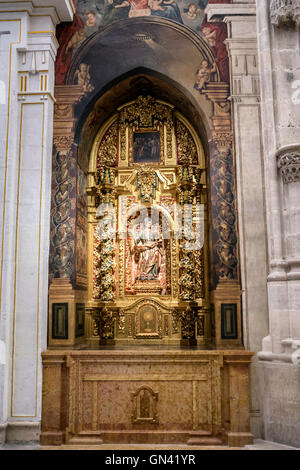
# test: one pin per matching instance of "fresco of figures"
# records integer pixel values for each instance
(93, 16)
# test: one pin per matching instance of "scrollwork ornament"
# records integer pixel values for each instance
(199, 274)
(95, 327)
(201, 325)
(175, 321)
(107, 152)
(146, 182)
(188, 323)
(186, 148)
(121, 322)
(106, 322)
(289, 167)
(146, 110)
(187, 276)
(104, 265)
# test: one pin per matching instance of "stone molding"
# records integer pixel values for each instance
(289, 166)
(285, 12)
(57, 10)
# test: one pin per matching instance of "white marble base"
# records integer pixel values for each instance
(20, 432)
(280, 401)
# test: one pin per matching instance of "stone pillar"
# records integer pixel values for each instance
(278, 48)
(62, 293)
(245, 101)
(27, 49)
(227, 293)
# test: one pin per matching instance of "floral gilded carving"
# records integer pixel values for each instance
(107, 151)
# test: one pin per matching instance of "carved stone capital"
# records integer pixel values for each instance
(285, 12)
(289, 166)
(63, 142)
(223, 140)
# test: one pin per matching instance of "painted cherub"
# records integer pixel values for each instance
(203, 74)
(193, 11)
(76, 40)
(83, 77)
(210, 36)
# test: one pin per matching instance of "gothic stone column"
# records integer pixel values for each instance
(278, 48)
(245, 100)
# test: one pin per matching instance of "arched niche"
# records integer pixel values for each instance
(128, 88)
(151, 46)
(161, 63)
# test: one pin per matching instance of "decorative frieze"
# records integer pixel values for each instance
(289, 166)
(285, 12)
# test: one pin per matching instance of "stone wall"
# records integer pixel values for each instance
(278, 49)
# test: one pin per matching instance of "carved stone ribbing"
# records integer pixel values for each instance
(285, 12)
(289, 166)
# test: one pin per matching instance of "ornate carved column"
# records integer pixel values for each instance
(285, 12)
(278, 51)
(194, 320)
(226, 280)
(63, 185)
(190, 191)
(62, 296)
(104, 246)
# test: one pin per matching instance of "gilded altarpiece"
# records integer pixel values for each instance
(148, 276)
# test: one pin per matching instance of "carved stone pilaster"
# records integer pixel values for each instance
(223, 189)
(285, 12)
(63, 215)
(289, 166)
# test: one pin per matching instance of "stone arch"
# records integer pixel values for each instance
(121, 28)
(143, 81)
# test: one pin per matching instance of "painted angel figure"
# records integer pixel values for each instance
(204, 73)
(83, 77)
